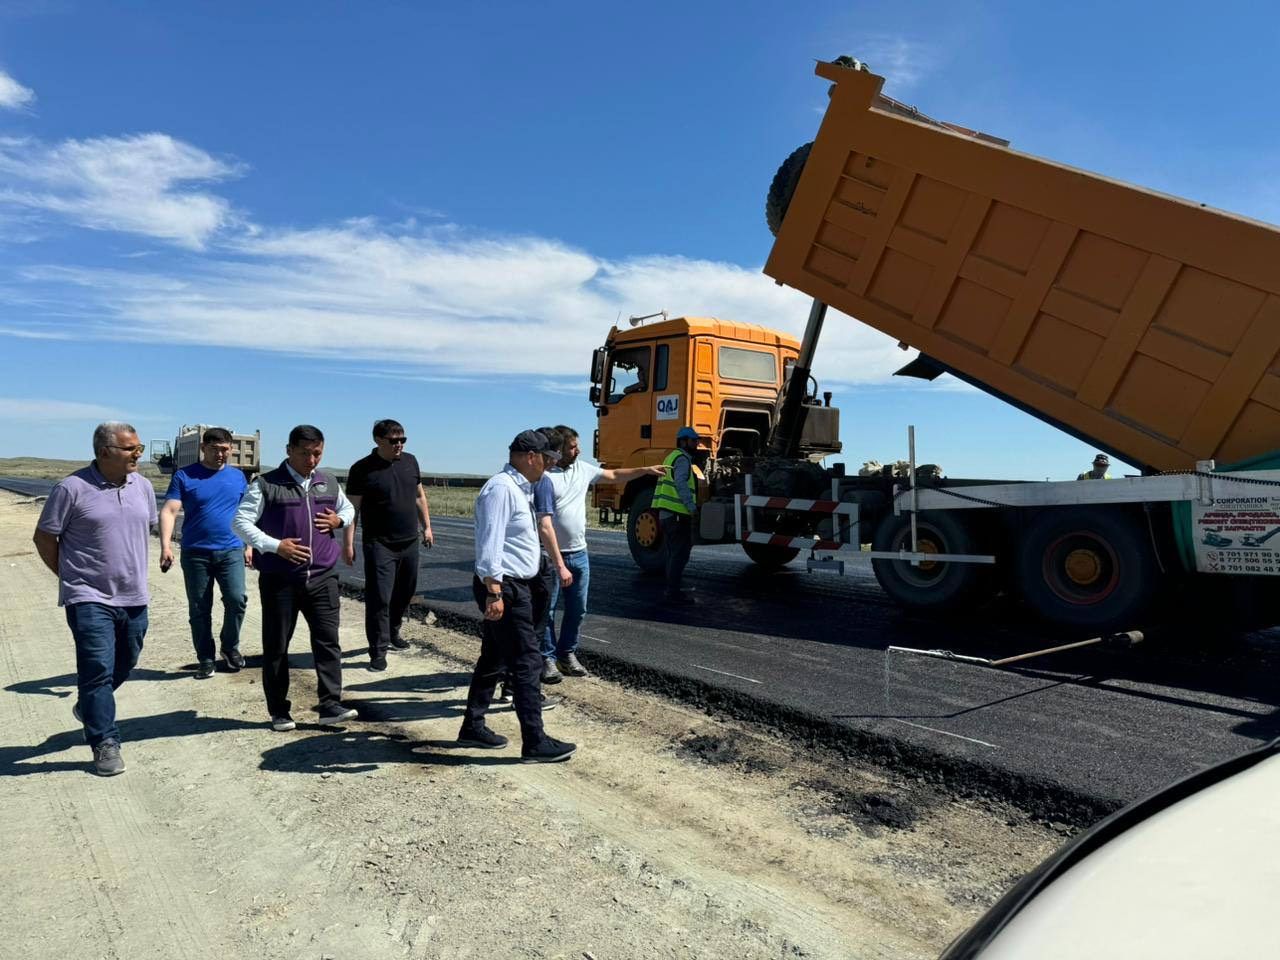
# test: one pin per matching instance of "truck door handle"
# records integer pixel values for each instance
(646, 431)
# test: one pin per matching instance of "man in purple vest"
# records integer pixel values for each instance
(288, 515)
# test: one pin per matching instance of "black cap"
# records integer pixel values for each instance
(531, 441)
(1102, 458)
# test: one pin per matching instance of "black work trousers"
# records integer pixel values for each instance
(390, 581)
(677, 534)
(317, 599)
(548, 575)
(509, 645)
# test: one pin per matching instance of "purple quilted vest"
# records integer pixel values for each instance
(289, 511)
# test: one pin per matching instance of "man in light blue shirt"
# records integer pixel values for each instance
(511, 596)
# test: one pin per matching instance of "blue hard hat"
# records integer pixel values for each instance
(686, 433)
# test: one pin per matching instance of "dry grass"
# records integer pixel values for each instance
(39, 468)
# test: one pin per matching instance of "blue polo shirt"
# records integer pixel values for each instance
(209, 500)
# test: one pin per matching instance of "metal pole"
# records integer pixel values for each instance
(751, 511)
(915, 493)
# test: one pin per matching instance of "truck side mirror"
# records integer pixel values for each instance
(599, 357)
(595, 394)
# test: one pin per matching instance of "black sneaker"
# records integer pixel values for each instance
(481, 736)
(400, 643)
(107, 761)
(550, 750)
(283, 723)
(234, 659)
(205, 670)
(551, 702)
(336, 713)
(377, 664)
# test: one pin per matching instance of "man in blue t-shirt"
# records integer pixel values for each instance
(208, 493)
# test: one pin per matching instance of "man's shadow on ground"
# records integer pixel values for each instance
(15, 760)
(363, 751)
(46, 687)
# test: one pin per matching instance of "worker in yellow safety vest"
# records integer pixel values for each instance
(1099, 469)
(675, 499)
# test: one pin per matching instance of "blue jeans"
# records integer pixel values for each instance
(575, 607)
(108, 643)
(201, 569)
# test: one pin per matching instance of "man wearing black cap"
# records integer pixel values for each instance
(1099, 469)
(507, 589)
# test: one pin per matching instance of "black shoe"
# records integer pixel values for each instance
(377, 664)
(336, 713)
(205, 670)
(400, 643)
(551, 702)
(550, 672)
(283, 723)
(481, 736)
(234, 659)
(550, 750)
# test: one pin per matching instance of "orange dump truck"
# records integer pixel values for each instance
(1146, 325)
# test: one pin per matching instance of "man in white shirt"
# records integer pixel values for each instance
(511, 595)
(570, 483)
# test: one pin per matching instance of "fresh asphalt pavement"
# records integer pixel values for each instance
(1110, 726)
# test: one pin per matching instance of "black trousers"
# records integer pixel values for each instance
(547, 576)
(677, 534)
(510, 645)
(317, 599)
(390, 581)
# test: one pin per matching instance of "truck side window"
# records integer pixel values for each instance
(629, 373)
(662, 359)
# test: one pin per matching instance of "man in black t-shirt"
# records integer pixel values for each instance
(386, 489)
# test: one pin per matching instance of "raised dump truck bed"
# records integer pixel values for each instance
(1146, 324)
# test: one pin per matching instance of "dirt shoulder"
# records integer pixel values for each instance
(670, 834)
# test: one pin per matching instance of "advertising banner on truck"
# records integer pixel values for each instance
(1238, 535)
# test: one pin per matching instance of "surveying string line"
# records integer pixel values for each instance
(722, 673)
(945, 733)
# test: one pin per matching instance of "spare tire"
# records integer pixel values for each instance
(783, 187)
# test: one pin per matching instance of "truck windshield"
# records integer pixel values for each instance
(754, 365)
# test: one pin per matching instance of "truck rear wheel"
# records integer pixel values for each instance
(783, 187)
(644, 534)
(932, 585)
(1088, 567)
(770, 557)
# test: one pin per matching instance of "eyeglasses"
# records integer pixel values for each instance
(399, 441)
(139, 449)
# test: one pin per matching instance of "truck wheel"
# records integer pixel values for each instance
(783, 187)
(931, 585)
(770, 557)
(1087, 567)
(644, 534)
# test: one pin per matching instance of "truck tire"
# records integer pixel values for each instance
(931, 586)
(769, 557)
(783, 187)
(644, 534)
(1088, 567)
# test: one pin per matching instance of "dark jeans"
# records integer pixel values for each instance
(510, 645)
(201, 569)
(283, 598)
(390, 581)
(677, 534)
(108, 643)
(550, 580)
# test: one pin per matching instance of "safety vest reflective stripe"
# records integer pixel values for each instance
(665, 495)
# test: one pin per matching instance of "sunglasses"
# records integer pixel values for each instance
(138, 449)
(399, 441)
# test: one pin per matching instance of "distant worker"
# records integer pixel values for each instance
(386, 490)
(1099, 469)
(675, 499)
(571, 482)
(288, 515)
(510, 594)
(208, 492)
(93, 533)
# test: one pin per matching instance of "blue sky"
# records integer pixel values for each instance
(269, 214)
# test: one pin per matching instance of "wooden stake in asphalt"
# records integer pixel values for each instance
(1127, 638)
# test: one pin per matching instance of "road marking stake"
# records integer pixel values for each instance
(723, 674)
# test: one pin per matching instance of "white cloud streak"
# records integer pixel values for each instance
(13, 95)
(37, 410)
(904, 63)
(139, 184)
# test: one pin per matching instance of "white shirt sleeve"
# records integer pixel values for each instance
(345, 509)
(493, 513)
(245, 523)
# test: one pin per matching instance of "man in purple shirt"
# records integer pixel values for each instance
(93, 533)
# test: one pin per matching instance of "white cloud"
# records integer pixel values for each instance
(13, 95)
(139, 184)
(903, 62)
(36, 410)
